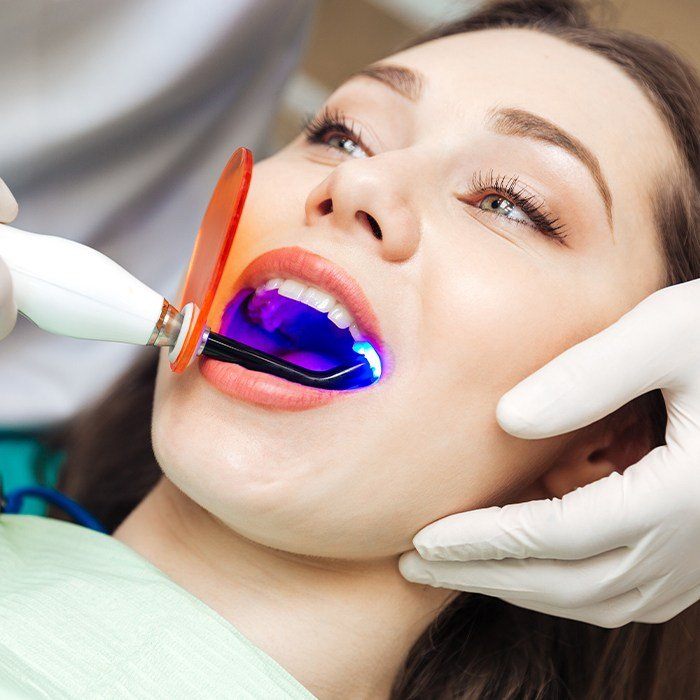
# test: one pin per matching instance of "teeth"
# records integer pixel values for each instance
(274, 283)
(292, 289)
(340, 316)
(316, 299)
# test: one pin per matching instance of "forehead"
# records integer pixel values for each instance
(467, 75)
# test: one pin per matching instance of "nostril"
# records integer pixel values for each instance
(364, 217)
(376, 231)
(325, 207)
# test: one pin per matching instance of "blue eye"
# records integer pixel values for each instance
(345, 144)
(336, 131)
(505, 196)
(498, 204)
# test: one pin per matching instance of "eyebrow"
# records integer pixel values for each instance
(509, 121)
(408, 83)
(519, 122)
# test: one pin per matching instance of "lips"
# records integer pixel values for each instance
(320, 272)
(295, 263)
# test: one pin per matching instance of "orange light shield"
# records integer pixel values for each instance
(212, 247)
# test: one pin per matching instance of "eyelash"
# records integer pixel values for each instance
(329, 121)
(510, 189)
(317, 129)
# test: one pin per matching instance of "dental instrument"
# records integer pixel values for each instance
(70, 289)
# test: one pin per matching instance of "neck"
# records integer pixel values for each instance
(342, 629)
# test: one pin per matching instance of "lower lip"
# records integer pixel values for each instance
(262, 389)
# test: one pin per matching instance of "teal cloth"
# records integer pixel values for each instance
(83, 616)
(24, 461)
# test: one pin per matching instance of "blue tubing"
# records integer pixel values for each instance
(15, 498)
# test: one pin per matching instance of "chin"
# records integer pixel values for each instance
(304, 503)
(229, 458)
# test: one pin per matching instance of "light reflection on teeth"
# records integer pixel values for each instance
(340, 316)
(291, 289)
(316, 299)
(274, 283)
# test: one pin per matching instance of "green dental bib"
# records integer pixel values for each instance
(83, 616)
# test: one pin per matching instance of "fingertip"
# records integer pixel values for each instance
(8, 309)
(412, 567)
(469, 536)
(422, 543)
(8, 204)
(512, 415)
(442, 540)
(429, 550)
(535, 409)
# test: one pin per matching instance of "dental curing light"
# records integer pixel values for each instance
(70, 289)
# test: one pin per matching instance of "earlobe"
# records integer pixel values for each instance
(610, 445)
(576, 468)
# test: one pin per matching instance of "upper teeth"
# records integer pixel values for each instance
(316, 299)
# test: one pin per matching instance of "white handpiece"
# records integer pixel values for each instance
(70, 289)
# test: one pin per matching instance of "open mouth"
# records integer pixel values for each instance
(300, 324)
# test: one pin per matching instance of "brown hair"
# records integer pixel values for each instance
(480, 647)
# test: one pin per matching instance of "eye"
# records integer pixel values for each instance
(504, 196)
(498, 204)
(345, 144)
(334, 130)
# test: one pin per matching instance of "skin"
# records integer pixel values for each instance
(290, 523)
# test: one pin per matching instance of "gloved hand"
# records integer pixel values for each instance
(8, 310)
(624, 548)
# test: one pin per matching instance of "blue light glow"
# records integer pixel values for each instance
(302, 336)
(364, 348)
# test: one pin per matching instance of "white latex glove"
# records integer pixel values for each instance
(624, 548)
(8, 310)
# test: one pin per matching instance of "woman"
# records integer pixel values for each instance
(498, 193)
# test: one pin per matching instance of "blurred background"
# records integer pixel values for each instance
(347, 34)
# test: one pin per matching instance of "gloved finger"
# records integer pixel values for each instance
(670, 608)
(8, 309)
(635, 605)
(610, 613)
(559, 584)
(8, 205)
(594, 378)
(585, 522)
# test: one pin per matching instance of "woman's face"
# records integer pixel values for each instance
(510, 175)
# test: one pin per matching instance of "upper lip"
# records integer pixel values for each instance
(295, 262)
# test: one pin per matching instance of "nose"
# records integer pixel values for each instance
(367, 196)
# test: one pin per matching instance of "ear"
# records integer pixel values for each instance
(610, 445)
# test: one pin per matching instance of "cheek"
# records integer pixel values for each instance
(505, 318)
(445, 452)
(486, 327)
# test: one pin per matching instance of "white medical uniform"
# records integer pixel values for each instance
(116, 118)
